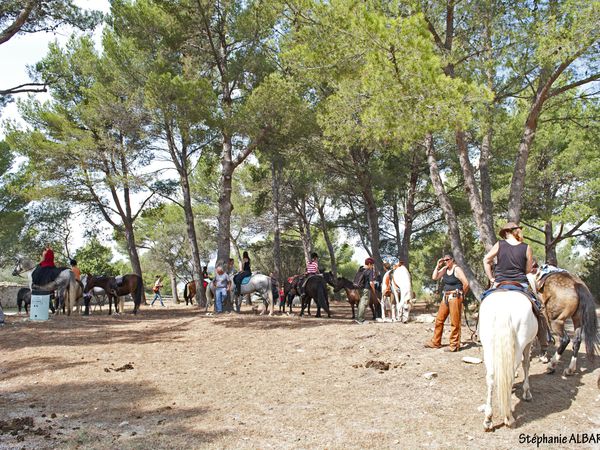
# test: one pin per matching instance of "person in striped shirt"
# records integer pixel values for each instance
(312, 268)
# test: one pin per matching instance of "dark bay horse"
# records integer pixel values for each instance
(565, 296)
(116, 287)
(24, 299)
(316, 289)
(352, 293)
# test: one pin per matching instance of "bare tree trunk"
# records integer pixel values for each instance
(173, 277)
(487, 235)
(275, 177)
(225, 205)
(450, 216)
(409, 210)
(323, 219)
(192, 240)
(373, 220)
(550, 244)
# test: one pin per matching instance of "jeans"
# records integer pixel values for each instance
(220, 296)
(159, 297)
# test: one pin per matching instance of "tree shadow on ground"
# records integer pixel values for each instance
(34, 365)
(78, 333)
(551, 392)
(106, 415)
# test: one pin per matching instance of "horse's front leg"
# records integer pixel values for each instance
(526, 362)
(576, 344)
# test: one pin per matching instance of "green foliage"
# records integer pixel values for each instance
(94, 258)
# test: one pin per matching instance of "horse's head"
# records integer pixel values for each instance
(329, 279)
(22, 265)
(88, 283)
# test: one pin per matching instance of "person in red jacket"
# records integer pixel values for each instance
(48, 257)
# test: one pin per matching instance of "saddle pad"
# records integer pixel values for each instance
(246, 280)
(509, 287)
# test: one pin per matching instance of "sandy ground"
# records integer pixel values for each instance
(176, 378)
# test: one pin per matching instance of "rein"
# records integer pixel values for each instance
(474, 336)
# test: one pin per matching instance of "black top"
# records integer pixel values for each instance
(512, 262)
(246, 266)
(368, 277)
(451, 282)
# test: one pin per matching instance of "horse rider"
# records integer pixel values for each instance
(514, 260)
(45, 272)
(246, 271)
(455, 288)
(312, 268)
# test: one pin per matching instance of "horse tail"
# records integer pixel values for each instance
(322, 297)
(503, 348)
(137, 297)
(587, 304)
(185, 291)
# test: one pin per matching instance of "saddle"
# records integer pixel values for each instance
(246, 280)
(119, 281)
(514, 286)
(42, 276)
(543, 273)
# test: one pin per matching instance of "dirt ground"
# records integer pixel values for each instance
(176, 378)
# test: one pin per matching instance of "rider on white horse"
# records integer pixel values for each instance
(514, 260)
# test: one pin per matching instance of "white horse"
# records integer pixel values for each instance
(398, 291)
(65, 283)
(261, 284)
(507, 327)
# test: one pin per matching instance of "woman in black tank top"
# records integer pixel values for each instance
(456, 286)
(514, 258)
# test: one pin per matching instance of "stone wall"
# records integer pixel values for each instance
(8, 294)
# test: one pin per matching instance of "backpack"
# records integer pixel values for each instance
(360, 278)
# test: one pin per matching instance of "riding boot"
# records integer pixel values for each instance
(86, 311)
(543, 333)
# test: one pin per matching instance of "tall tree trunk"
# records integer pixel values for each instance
(131, 248)
(409, 210)
(192, 239)
(275, 177)
(373, 221)
(517, 186)
(487, 235)
(307, 245)
(173, 277)
(550, 244)
(225, 205)
(321, 210)
(450, 216)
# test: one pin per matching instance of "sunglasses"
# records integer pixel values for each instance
(447, 259)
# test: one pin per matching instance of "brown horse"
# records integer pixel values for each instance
(565, 296)
(116, 287)
(352, 293)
